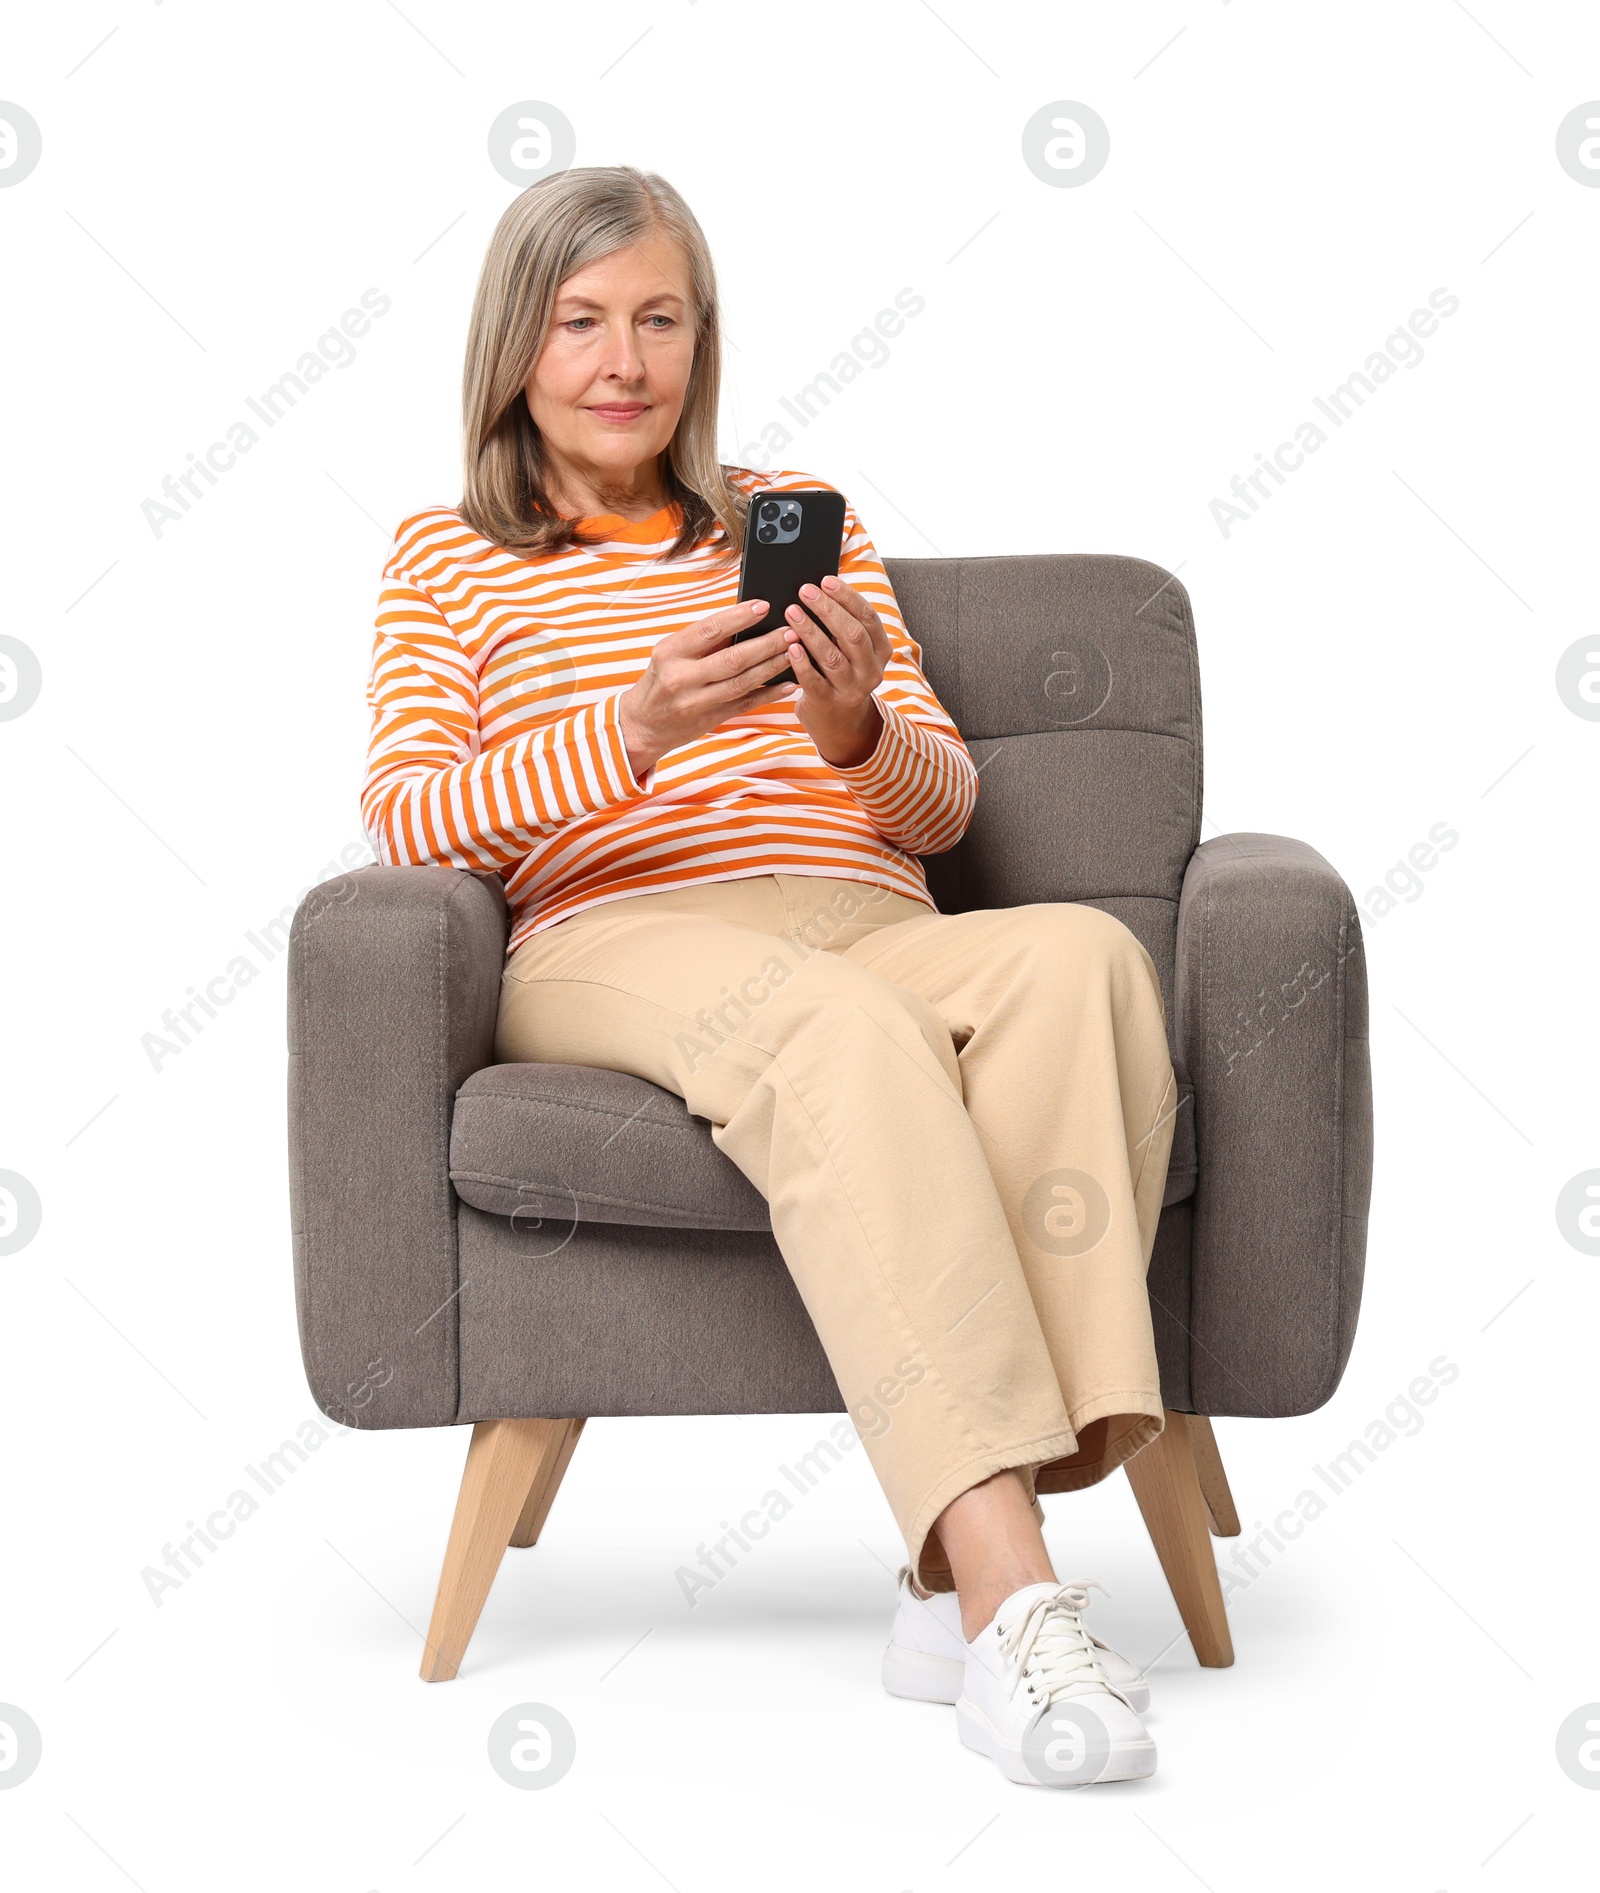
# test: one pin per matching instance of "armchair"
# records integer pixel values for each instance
(522, 1247)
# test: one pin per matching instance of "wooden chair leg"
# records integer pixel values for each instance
(542, 1493)
(506, 1460)
(1166, 1482)
(1213, 1480)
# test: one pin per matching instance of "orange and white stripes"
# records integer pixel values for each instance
(496, 741)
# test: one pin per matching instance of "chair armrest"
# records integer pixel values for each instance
(394, 989)
(1271, 1022)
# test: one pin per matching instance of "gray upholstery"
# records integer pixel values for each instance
(1272, 1023)
(476, 1241)
(593, 1146)
(394, 987)
(1075, 682)
(562, 1141)
(565, 1317)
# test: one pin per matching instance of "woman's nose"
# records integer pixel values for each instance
(623, 362)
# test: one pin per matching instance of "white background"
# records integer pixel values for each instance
(1378, 648)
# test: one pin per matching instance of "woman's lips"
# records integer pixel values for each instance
(621, 410)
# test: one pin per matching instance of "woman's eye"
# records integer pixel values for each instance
(581, 323)
(659, 322)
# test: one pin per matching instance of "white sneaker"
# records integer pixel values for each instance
(1035, 1698)
(927, 1654)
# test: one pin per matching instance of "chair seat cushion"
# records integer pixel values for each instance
(576, 1143)
(572, 1141)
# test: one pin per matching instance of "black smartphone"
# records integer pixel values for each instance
(793, 538)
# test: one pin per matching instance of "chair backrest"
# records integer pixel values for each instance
(1075, 681)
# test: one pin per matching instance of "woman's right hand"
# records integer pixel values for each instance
(698, 678)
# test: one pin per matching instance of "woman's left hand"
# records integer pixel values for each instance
(838, 674)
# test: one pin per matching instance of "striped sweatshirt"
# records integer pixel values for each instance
(497, 740)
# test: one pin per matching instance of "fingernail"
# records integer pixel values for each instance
(808, 591)
(756, 606)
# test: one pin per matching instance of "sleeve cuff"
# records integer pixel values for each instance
(618, 782)
(881, 770)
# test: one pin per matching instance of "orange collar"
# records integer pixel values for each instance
(665, 523)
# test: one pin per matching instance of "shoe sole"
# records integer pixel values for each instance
(923, 1677)
(1126, 1761)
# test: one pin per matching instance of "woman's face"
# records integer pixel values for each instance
(608, 385)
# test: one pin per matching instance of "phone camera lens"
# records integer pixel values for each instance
(769, 510)
(766, 534)
(790, 521)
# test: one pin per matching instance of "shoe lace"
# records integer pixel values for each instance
(1052, 1655)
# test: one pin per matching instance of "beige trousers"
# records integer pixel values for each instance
(960, 1123)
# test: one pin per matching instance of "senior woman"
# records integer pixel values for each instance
(714, 885)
